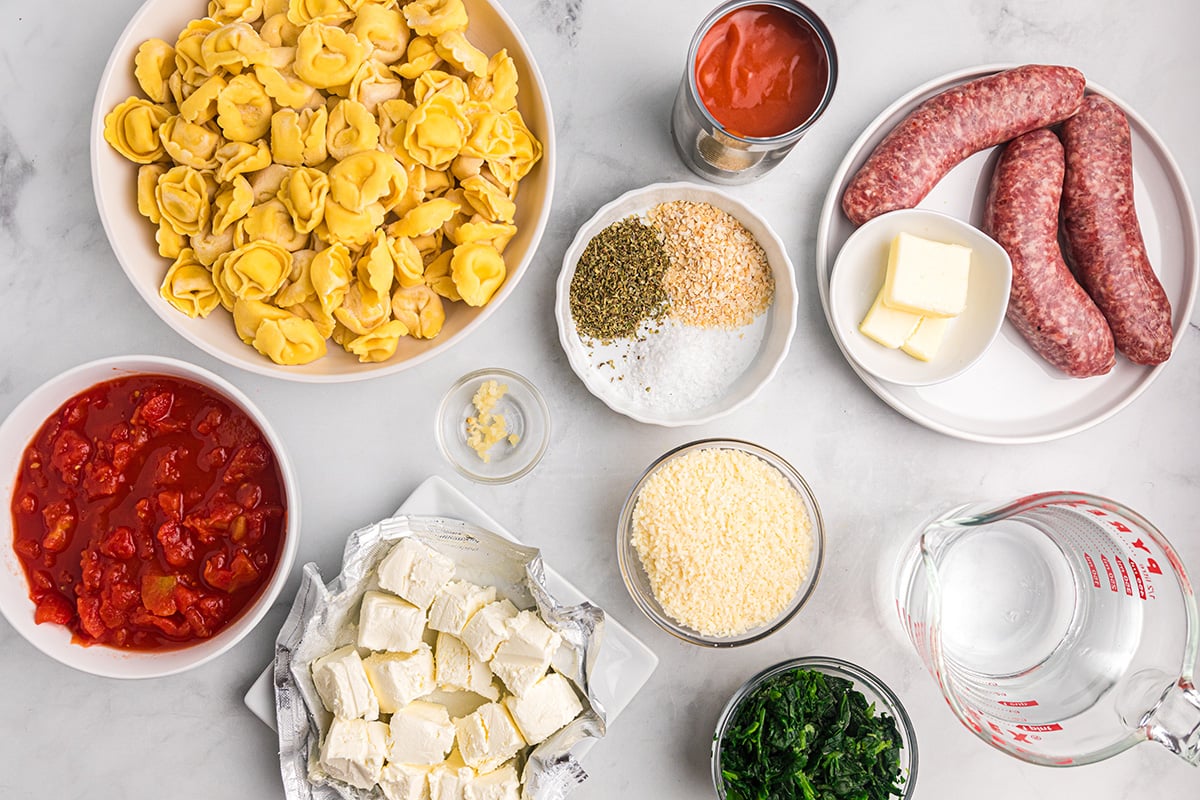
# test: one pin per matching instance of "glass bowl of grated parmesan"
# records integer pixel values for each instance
(720, 542)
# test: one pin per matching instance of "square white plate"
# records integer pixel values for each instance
(624, 664)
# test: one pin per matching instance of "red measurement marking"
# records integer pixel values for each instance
(1018, 703)
(1139, 544)
(1153, 567)
(1092, 568)
(1049, 728)
(1108, 570)
(1121, 526)
(1137, 575)
(1125, 577)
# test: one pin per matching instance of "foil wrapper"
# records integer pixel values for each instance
(324, 618)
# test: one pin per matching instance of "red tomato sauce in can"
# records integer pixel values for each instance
(148, 512)
(761, 71)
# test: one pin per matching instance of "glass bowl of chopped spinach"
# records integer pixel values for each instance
(815, 728)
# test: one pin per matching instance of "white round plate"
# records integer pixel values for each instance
(114, 181)
(1011, 395)
(780, 317)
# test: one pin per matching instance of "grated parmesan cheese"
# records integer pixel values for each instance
(724, 538)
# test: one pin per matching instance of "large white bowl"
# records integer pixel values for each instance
(781, 316)
(18, 430)
(114, 181)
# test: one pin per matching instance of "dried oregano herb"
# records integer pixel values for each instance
(618, 282)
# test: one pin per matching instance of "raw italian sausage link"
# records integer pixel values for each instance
(950, 126)
(1046, 305)
(1104, 240)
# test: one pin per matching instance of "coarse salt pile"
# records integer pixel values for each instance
(725, 540)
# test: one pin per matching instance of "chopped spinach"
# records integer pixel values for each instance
(805, 735)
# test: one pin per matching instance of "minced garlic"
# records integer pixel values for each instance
(485, 428)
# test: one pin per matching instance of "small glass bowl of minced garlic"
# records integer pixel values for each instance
(493, 426)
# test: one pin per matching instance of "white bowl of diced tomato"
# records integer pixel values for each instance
(152, 518)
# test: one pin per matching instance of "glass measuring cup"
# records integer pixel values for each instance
(1061, 627)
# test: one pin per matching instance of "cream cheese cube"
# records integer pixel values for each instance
(456, 603)
(525, 655)
(457, 669)
(888, 326)
(386, 622)
(415, 571)
(400, 678)
(488, 737)
(500, 784)
(404, 782)
(421, 734)
(488, 628)
(447, 781)
(354, 751)
(545, 708)
(927, 338)
(342, 684)
(926, 277)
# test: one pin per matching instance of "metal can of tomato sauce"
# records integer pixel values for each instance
(759, 73)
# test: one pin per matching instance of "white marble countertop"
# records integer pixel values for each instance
(612, 67)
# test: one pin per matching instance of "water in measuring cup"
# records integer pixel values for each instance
(1024, 634)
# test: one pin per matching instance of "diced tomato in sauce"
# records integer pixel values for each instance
(148, 514)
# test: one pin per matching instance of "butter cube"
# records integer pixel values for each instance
(500, 784)
(405, 781)
(421, 734)
(525, 655)
(547, 706)
(415, 571)
(927, 338)
(400, 678)
(457, 669)
(927, 278)
(487, 737)
(342, 684)
(386, 622)
(889, 327)
(488, 628)
(354, 751)
(456, 603)
(448, 780)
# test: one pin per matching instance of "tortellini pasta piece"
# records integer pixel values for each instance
(238, 158)
(298, 138)
(298, 288)
(492, 137)
(188, 286)
(209, 246)
(420, 309)
(365, 178)
(231, 204)
(421, 56)
(384, 29)
(170, 242)
(153, 65)
(351, 129)
(376, 267)
(454, 48)
(303, 192)
(499, 88)
(201, 105)
(347, 226)
(271, 222)
(330, 274)
(290, 341)
(254, 271)
(249, 315)
(232, 47)
(147, 180)
(479, 231)
(193, 145)
(182, 197)
(477, 271)
(435, 17)
(435, 81)
(132, 130)
(266, 182)
(426, 218)
(363, 308)
(407, 262)
(285, 87)
(189, 58)
(327, 55)
(235, 10)
(312, 311)
(438, 277)
(244, 109)
(379, 343)
(279, 31)
(329, 12)
(488, 200)
(435, 132)
(527, 151)
(374, 84)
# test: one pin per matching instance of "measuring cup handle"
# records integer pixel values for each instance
(1175, 723)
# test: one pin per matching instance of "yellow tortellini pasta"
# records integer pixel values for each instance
(327, 169)
(477, 271)
(188, 286)
(153, 65)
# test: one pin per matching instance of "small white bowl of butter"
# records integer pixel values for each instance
(938, 315)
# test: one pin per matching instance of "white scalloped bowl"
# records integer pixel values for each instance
(132, 236)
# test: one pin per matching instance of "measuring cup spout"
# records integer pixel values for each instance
(1175, 722)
